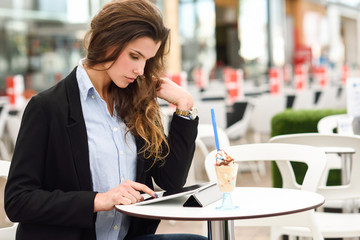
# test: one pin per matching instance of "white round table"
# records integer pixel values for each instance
(252, 202)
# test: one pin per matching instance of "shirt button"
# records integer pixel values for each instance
(116, 227)
(122, 179)
(92, 96)
(121, 152)
(115, 129)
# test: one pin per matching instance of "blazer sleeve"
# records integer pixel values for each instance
(182, 135)
(29, 195)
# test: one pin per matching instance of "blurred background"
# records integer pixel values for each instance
(41, 40)
(248, 59)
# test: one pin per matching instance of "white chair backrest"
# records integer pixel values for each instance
(328, 98)
(348, 191)
(204, 112)
(239, 128)
(342, 98)
(265, 107)
(206, 137)
(7, 229)
(326, 125)
(13, 126)
(205, 142)
(4, 168)
(282, 153)
(214, 90)
(4, 113)
(304, 99)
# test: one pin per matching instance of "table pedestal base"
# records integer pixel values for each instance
(221, 230)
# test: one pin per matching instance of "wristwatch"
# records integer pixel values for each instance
(192, 113)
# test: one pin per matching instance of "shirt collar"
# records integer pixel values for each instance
(85, 85)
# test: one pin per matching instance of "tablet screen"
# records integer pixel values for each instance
(181, 190)
(174, 193)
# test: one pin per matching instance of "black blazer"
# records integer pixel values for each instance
(49, 188)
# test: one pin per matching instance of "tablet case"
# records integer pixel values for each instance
(204, 197)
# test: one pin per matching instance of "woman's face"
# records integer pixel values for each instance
(131, 62)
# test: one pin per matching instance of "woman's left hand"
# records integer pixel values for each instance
(174, 94)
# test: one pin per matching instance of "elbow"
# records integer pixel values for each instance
(11, 210)
(11, 213)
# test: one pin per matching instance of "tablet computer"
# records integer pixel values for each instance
(164, 195)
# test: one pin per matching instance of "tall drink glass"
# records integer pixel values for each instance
(226, 177)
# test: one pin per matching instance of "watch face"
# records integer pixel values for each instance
(193, 113)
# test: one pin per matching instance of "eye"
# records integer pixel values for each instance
(133, 56)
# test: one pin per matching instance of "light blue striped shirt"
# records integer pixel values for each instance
(112, 158)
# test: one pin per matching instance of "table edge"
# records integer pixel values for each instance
(220, 218)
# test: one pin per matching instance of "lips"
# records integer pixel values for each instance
(130, 79)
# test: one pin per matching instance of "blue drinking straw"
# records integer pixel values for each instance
(215, 129)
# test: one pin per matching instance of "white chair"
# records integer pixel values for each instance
(331, 123)
(304, 99)
(204, 112)
(4, 113)
(322, 141)
(328, 98)
(332, 225)
(340, 123)
(205, 142)
(342, 98)
(282, 154)
(237, 133)
(239, 129)
(265, 107)
(206, 138)
(7, 228)
(214, 90)
(12, 126)
(166, 114)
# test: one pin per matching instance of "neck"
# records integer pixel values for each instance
(101, 81)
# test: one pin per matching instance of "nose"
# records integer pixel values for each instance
(139, 69)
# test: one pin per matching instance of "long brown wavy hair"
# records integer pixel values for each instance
(116, 25)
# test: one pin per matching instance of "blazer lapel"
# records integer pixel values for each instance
(140, 176)
(77, 132)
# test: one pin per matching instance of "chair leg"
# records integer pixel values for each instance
(4, 151)
(275, 233)
(262, 168)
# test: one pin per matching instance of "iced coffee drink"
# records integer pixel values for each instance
(226, 171)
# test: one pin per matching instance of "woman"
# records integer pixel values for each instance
(96, 139)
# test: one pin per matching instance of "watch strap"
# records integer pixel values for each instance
(184, 113)
(189, 114)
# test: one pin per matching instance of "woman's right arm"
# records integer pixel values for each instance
(30, 194)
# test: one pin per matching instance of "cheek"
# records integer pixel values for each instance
(123, 65)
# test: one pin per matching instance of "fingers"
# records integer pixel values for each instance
(174, 94)
(127, 198)
(129, 192)
(143, 188)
